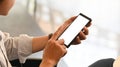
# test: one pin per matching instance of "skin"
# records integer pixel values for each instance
(5, 6)
(117, 62)
(53, 49)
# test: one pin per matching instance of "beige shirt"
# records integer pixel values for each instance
(14, 48)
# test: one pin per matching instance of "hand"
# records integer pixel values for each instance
(62, 28)
(53, 51)
(81, 35)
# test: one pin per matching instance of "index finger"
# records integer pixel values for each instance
(71, 20)
(61, 29)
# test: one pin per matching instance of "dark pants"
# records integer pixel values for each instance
(103, 63)
(28, 63)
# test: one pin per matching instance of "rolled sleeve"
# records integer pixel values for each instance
(19, 47)
(24, 47)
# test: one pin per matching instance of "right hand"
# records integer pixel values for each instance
(53, 51)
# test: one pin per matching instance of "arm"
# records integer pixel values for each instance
(54, 50)
(39, 43)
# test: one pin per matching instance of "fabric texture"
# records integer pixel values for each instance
(12, 48)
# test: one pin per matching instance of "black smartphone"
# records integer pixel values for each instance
(75, 27)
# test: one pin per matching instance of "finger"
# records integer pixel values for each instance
(71, 19)
(76, 40)
(58, 33)
(62, 28)
(82, 36)
(64, 47)
(61, 41)
(85, 31)
(89, 24)
(64, 50)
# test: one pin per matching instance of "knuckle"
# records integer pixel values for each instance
(84, 38)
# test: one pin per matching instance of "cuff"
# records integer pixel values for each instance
(24, 47)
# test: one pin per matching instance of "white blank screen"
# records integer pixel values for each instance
(76, 26)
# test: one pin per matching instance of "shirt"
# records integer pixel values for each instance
(14, 48)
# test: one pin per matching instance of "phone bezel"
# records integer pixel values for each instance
(89, 20)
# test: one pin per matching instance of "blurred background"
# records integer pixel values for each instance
(41, 17)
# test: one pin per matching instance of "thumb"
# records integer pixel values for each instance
(61, 41)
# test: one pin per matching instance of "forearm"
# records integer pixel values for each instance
(38, 43)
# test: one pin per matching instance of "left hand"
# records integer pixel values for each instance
(82, 35)
(79, 37)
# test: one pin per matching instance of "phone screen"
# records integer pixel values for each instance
(72, 31)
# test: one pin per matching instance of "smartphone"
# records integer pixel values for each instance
(75, 27)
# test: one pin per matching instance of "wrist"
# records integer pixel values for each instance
(47, 63)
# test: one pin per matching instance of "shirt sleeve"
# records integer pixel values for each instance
(18, 47)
